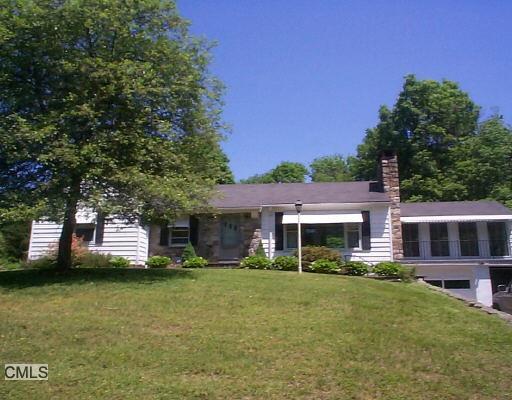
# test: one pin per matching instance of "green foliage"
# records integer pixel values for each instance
(426, 123)
(330, 169)
(260, 251)
(355, 268)
(256, 262)
(195, 262)
(46, 262)
(286, 172)
(158, 262)
(388, 268)
(94, 260)
(10, 265)
(109, 105)
(325, 266)
(313, 253)
(407, 273)
(188, 252)
(14, 239)
(119, 262)
(285, 263)
(483, 162)
(334, 242)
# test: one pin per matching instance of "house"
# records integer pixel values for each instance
(461, 246)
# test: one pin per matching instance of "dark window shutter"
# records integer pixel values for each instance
(100, 228)
(279, 231)
(365, 230)
(194, 230)
(164, 235)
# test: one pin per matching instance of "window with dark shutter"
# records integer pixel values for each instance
(366, 230)
(164, 235)
(100, 228)
(194, 230)
(279, 230)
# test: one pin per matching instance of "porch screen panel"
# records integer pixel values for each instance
(498, 243)
(439, 245)
(468, 238)
(411, 240)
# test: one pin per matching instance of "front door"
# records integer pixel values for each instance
(230, 237)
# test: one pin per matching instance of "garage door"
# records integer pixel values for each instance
(500, 276)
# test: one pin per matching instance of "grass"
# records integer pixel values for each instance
(245, 334)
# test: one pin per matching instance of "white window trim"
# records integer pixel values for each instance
(91, 242)
(358, 248)
(177, 245)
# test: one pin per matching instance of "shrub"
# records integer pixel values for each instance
(188, 252)
(256, 262)
(93, 260)
(355, 268)
(325, 266)
(407, 274)
(45, 262)
(158, 262)
(260, 251)
(285, 263)
(195, 262)
(388, 268)
(334, 242)
(313, 253)
(119, 262)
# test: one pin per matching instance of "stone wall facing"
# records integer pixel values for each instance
(389, 178)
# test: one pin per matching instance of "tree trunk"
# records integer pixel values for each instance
(65, 256)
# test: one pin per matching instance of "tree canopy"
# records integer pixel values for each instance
(483, 162)
(285, 172)
(428, 121)
(105, 104)
(332, 168)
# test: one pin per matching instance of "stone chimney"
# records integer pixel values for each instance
(390, 184)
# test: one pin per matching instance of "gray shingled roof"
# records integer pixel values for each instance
(446, 208)
(256, 195)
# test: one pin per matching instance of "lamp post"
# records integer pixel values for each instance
(298, 207)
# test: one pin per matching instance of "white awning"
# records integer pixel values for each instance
(322, 217)
(455, 218)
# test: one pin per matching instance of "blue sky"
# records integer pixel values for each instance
(306, 78)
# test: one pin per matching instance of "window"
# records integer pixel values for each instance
(439, 245)
(437, 283)
(411, 240)
(336, 236)
(179, 236)
(352, 231)
(291, 236)
(498, 245)
(450, 284)
(85, 232)
(457, 284)
(468, 237)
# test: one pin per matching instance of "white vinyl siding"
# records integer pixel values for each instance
(380, 236)
(120, 239)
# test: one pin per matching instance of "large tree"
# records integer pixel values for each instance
(107, 105)
(330, 169)
(427, 122)
(483, 162)
(285, 172)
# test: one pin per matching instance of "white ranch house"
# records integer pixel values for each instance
(464, 247)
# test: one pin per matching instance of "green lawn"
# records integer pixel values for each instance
(244, 334)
